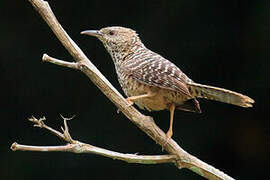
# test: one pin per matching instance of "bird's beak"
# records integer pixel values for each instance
(95, 33)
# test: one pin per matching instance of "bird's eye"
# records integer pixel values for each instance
(111, 33)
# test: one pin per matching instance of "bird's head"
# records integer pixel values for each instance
(115, 38)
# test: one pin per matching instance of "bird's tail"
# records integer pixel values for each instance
(219, 94)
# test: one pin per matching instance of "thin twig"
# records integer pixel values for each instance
(145, 123)
(40, 123)
(66, 129)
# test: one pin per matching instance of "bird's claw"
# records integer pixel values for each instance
(169, 134)
(130, 102)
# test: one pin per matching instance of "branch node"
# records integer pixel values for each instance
(82, 65)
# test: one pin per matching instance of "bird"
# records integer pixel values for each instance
(154, 83)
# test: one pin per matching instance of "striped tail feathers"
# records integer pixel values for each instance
(219, 94)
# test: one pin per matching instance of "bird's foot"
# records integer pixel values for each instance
(169, 134)
(130, 102)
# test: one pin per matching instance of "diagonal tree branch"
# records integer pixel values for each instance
(145, 123)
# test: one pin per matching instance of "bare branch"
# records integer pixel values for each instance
(145, 123)
(40, 123)
(80, 147)
(49, 59)
(85, 148)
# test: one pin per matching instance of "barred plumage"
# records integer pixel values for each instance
(153, 82)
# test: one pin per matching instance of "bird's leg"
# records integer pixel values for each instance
(131, 99)
(170, 131)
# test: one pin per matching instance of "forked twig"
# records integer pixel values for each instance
(80, 147)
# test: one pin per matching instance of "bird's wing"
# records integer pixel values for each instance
(158, 71)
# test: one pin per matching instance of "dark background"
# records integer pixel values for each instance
(223, 43)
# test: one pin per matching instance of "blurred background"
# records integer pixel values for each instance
(224, 43)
